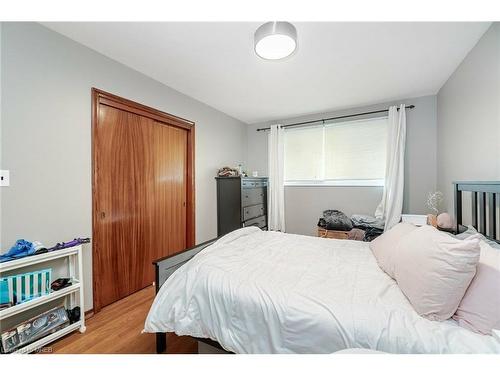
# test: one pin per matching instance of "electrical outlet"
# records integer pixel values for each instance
(4, 178)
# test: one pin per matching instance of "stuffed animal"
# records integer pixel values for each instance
(445, 221)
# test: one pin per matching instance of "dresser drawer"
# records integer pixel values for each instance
(251, 197)
(257, 222)
(253, 211)
(245, 184)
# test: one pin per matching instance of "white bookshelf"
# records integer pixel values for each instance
(73, 294)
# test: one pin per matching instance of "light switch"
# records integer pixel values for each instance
(4, 178)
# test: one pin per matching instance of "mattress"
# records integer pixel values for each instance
(255, 291)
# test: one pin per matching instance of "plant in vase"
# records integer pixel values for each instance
(434, 200)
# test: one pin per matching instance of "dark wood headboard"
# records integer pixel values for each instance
(483, 194)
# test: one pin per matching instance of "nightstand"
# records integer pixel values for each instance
(417, 220)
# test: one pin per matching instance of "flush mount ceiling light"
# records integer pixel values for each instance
(275, 40)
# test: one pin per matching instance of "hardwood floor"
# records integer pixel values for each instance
(117, 329)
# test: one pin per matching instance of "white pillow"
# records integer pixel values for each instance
(479, 310)
(434, 270)
(385, 246)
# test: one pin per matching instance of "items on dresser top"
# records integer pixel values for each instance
(241, 202)
(228, 172)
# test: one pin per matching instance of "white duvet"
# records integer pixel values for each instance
(267, 292)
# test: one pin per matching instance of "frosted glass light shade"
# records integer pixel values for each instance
(275, 40)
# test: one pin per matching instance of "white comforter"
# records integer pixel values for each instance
(269, 292)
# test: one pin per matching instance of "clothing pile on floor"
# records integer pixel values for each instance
(372, 226)
(360, 227)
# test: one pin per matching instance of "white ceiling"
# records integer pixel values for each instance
(336, 65)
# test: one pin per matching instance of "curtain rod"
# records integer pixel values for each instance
(335, 118)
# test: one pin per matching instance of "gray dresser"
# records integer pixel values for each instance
(241, 202)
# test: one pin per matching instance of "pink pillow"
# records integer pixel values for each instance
(479, 310)
(434, 270)
(385, 246)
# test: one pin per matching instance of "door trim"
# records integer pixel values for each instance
(100, 97)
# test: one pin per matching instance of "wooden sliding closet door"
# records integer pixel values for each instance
(143, 196)
(169, 190)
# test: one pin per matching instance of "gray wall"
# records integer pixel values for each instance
(1, 188)
(46, 136)
(303, 205)
(469, 118)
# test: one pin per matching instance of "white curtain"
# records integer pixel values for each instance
(391, 206)
(276, 168)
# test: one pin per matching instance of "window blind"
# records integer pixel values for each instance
(343, 152)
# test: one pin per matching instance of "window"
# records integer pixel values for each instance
(341, 153)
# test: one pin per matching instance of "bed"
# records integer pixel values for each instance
(254, 291)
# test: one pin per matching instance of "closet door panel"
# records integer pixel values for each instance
(169, 206)
(178, 161)
(125, 178)
(140, 197)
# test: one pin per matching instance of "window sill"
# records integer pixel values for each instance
(341, 183)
